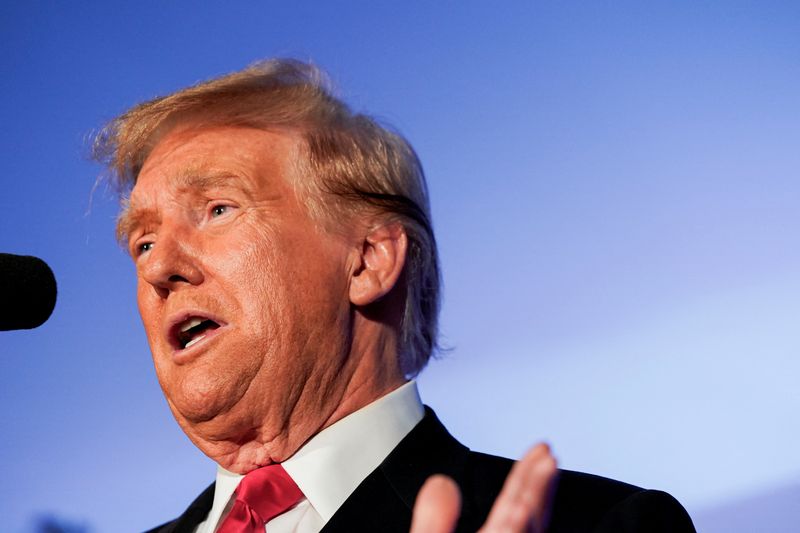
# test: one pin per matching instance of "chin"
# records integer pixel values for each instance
(198, 409)
(201, 396)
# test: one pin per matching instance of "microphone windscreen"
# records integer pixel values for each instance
(27, 292)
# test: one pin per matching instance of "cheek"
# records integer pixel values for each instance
(291, 292)
(256, 268)
(150, 311)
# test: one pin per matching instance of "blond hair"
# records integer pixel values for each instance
(355, 165)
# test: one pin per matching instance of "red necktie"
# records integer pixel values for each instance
(261, 495)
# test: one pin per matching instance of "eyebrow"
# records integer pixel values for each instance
(133, 215)
(194, 180)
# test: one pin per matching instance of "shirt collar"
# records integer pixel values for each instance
(330, 466)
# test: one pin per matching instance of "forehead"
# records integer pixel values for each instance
(190, 161)
(189, 152)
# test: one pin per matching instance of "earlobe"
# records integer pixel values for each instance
(383, 255)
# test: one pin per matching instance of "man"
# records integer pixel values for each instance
(289, 288)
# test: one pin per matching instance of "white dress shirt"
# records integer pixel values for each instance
(330, 466)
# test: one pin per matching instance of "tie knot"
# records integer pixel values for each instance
(269, 491)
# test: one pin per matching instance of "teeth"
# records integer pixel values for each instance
(191, 323)
(194, 341)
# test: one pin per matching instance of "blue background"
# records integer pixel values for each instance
(615, 194)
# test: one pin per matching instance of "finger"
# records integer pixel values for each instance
(523, 502)
(437, 507)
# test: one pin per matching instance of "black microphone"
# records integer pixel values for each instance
(27, 292)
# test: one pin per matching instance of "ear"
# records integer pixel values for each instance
(383, 255)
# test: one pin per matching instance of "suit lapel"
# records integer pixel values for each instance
(385, 499)
(192, 517)
(374, 506)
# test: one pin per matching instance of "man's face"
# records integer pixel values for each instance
(243, 298)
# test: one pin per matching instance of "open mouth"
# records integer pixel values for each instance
(191, 331)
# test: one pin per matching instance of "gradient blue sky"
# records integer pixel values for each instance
(615, 191)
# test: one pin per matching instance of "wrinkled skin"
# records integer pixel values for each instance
(217, 230)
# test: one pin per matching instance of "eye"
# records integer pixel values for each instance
(219, 210)
(144, 247)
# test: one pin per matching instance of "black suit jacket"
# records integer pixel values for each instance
(384, 500)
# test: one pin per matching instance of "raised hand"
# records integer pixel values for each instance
(521, 507)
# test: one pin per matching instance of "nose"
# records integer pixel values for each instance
(171, 264)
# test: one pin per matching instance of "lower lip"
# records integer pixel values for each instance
(184, 355)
